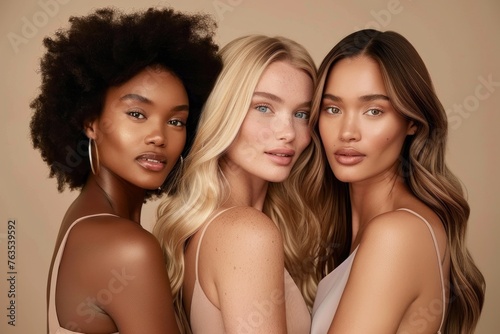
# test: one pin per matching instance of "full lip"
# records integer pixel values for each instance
(348, 156)
(350, 152)
(281, 152)
(281, 156)
(152, 161)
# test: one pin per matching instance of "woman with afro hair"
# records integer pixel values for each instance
(112, 121)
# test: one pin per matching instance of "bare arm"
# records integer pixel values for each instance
(242, 254)
(142, 299)
(386, 277)
(115, 280)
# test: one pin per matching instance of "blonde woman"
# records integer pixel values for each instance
(242, 212)
(400, 220)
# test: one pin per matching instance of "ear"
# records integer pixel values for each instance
(412, 128)
(90, 127)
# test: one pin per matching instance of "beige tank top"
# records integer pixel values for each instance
(54, 325)
(332, 286)
(206, 318)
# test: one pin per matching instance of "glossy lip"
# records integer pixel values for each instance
(152, 161)
(281, 156)
(348, 156)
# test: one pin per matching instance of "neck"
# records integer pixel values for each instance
(245, 189)
(108, 192)
(374, 197)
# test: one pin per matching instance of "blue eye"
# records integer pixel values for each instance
(302, 114)
(374, 112)
(136, 114)
(177, 123)
(262, 109)
(332, 110)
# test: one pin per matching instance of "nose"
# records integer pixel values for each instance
(283, 128)
(156, 137)
(348, 129)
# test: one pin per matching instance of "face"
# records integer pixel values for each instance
(275, 130)
(361, 131)
(141, 131)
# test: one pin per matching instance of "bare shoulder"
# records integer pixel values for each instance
(241, 231)
(241, 261)
(405, 228)
(112, 240)
(242, 225)
(401, 241)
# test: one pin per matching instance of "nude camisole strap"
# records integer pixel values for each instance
(439, 262)
(201, 239)
(53, 319)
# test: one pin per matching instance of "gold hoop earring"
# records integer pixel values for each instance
(90, 157)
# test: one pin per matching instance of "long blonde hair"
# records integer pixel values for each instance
(422, 166)
(203, 188)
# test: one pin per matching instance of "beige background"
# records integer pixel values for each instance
(457, 39)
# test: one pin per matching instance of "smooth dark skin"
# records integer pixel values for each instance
(100, 243)
(112, 276)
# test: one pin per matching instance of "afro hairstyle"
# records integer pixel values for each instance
(105, 49)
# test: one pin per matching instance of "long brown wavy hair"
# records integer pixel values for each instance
(422, 165)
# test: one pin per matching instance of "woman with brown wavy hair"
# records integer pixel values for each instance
(399, 223)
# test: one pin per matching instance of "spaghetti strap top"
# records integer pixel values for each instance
(54, 325)
(206, 318)
(332, 286)
(436, 246)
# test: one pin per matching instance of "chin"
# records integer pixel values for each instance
(346, 178)
(277, 178)
(150, 185)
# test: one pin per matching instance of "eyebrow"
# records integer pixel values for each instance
(269, 96)
(280, 100)
(136, 97)
(142, 99)
(364, 98)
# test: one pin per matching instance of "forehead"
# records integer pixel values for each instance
(355, 76)
(152, 78)
(153, 84)
(283, 79)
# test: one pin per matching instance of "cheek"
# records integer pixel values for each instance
(254, 133)
(388, 143)
(115, 141)
(304, 133)
(327, 133)
(176, 141)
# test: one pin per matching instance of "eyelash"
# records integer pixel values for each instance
(140, 115)
(262, 106)
(330, 111)
(178, 121)
(136, 114)
(374, 109)
(305, 113)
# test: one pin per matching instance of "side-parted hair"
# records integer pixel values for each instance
(422, 165)
(104, 49)
(203, 187)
